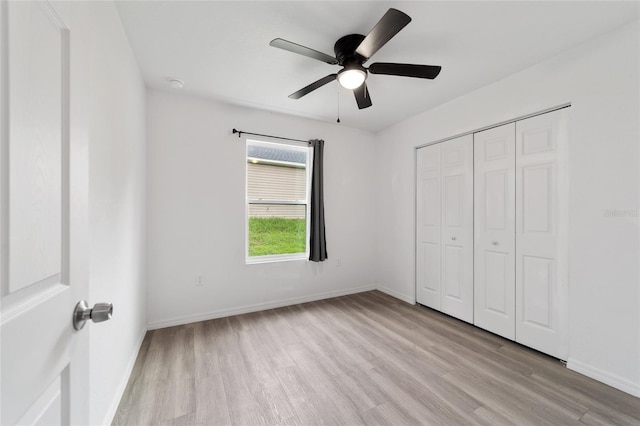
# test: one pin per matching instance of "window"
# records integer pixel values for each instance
(278, 194)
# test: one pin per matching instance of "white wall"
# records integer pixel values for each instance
(116, 207)
(196, 219)
(600, 79)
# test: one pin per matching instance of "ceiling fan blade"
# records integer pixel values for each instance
(313, 86)
(387, 27)
(405, 70)
(362, 96)
(302, 50)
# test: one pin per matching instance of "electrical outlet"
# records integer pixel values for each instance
(199, 281)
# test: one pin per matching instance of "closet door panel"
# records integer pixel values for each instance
(428, 223)
(541, 238)
(496, 297)
(494, 243)
(457, 228)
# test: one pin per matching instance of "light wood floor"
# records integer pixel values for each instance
(360, 359)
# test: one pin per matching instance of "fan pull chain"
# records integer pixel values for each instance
(338, 120)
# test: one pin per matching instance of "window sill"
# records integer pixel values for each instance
(276, 258)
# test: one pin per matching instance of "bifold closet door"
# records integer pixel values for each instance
(457, 228)
(428, 227)
(494, 206)
(445, 227)
(541, 233)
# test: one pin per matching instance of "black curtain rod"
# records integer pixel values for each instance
(240, 132)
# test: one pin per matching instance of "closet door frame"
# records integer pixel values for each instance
(563, 224)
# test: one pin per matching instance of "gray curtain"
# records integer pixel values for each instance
(318, 239)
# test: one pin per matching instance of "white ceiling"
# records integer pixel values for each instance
(221, 49)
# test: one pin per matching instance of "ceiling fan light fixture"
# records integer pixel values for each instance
(352, 50)
(352, 78)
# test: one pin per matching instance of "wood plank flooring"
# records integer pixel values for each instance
(361, 359)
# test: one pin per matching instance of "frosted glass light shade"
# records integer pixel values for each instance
(351, 78)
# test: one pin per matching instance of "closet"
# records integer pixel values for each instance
(519, 221)
(445, 227)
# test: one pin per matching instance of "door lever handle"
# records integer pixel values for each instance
(99, 313)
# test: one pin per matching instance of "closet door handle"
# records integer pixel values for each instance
(453, 238)
(495, 243)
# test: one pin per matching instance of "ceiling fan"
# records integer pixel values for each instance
(352, 51)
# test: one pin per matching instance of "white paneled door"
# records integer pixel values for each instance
(429, 228)
(457, 228)
(521, 202)
(444, 214)
(494, 204)
(44, 362)
(541, 233)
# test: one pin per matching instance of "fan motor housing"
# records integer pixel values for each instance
(345, 49)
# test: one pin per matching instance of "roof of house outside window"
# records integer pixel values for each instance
(277, 154)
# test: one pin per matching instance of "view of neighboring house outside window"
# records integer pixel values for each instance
(278, 191)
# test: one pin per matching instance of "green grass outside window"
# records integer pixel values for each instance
(276, 235)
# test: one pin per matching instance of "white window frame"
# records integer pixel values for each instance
(306, 202)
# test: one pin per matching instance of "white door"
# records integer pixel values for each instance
(541, 233)
(494, 274)
(428, 236)
(43, 229)
(444, 235)
(456, 298)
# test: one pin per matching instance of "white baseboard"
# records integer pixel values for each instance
(605, 377)
(113, 408)
(254, 308)
(409, 299)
